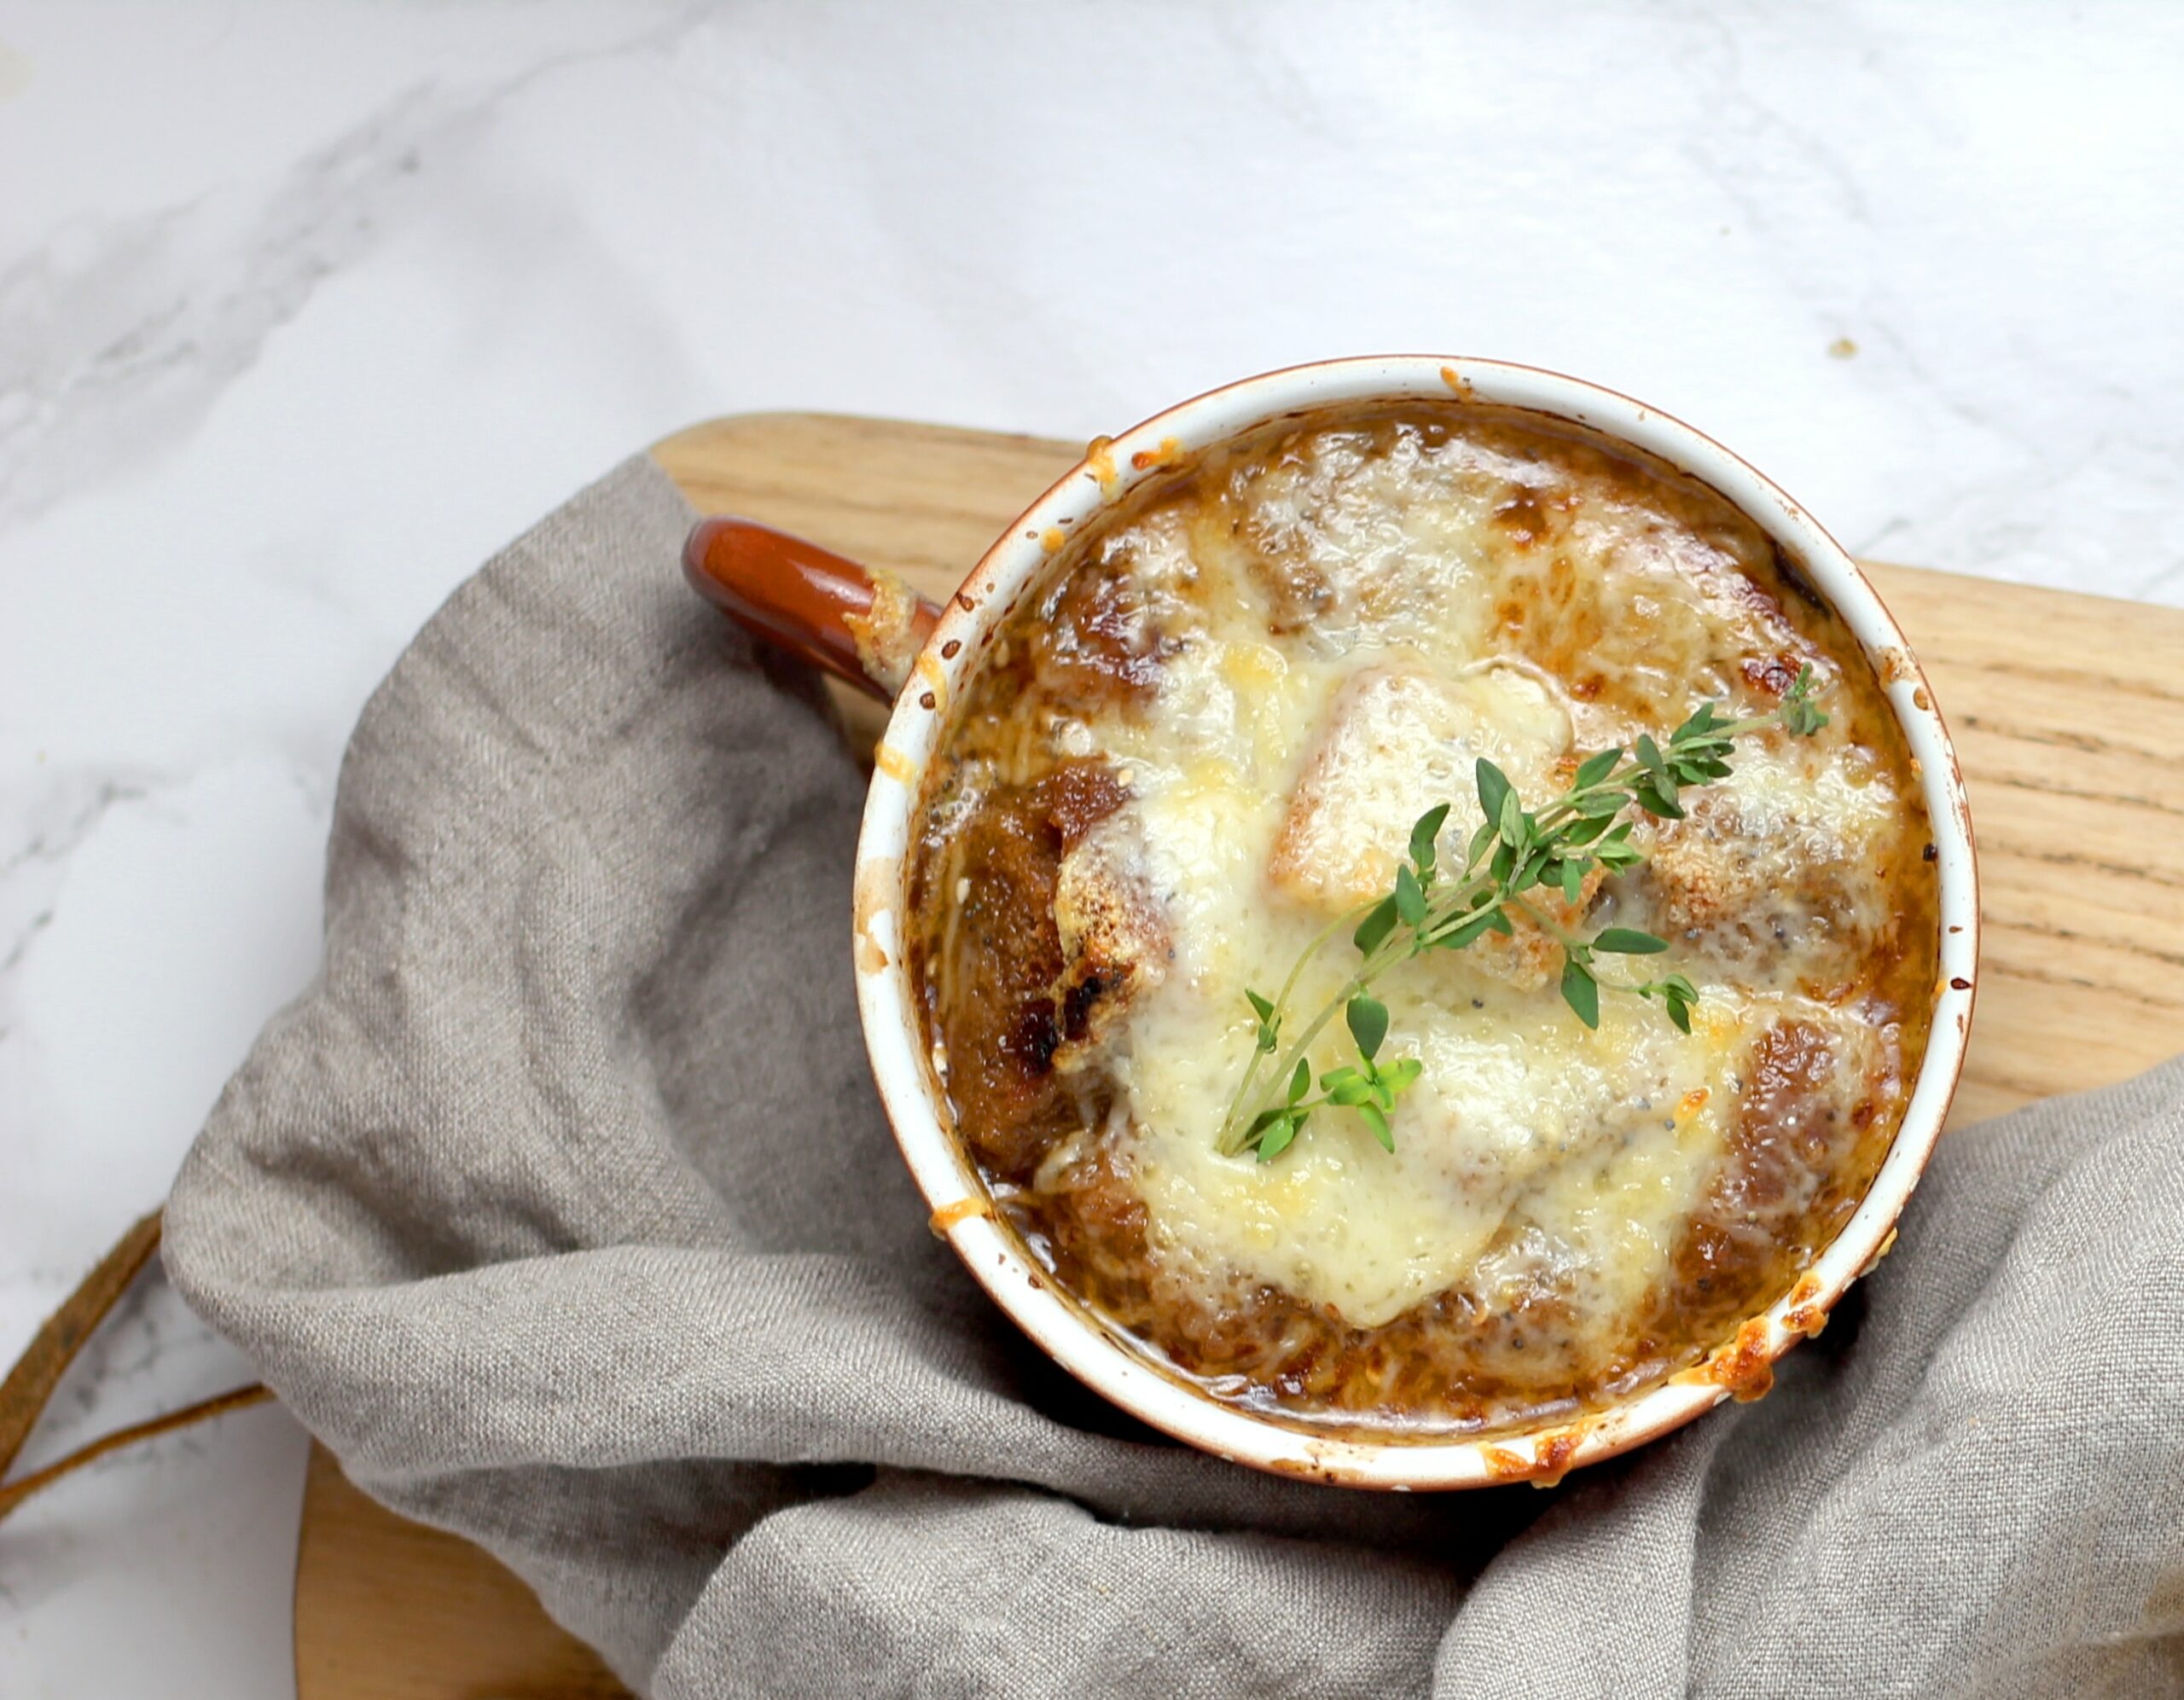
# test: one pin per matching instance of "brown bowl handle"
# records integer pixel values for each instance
(860, 624)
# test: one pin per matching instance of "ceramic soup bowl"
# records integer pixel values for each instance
(867, 628)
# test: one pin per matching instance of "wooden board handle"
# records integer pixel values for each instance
(30, 1385)
(860, 624)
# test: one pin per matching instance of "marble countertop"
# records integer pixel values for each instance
(304, 310)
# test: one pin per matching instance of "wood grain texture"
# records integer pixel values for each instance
(2068, 713)
(2069, 716)
(389, 1610)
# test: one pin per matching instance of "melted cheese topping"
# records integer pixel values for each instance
(1201, 744)
(1334, 664)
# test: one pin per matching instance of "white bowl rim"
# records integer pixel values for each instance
(1076, 1338)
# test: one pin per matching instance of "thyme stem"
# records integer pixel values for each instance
(1557, 848)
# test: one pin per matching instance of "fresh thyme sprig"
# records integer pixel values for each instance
(1514, 850)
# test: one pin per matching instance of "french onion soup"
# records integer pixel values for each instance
(1423, 920)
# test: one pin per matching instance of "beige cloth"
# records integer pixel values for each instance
(562, 1209)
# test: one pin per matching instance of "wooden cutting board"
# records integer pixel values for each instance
(2068, 713)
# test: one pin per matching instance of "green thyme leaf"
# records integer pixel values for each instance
(1493, 789)
(1596, 768)
(1617, 851)
(1377, 1119)
(1580, 990)
(1677, 995)
(1376, 927)
(1798, 714)
(1628, 941)
(1509, 820)
(1402, 1073)
(1276, 1139)
(1368, 1024)
(1423, 836)
(1479, 840)
(1300, 1082)
(1410, 897)
(1346, 1087)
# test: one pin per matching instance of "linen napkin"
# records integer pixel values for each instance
(562, 1209)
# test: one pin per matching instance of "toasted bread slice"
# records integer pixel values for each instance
(1396, 741)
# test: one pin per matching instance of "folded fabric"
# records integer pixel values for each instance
(562, 1209)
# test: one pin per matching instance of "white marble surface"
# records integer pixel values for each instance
(303, 310)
